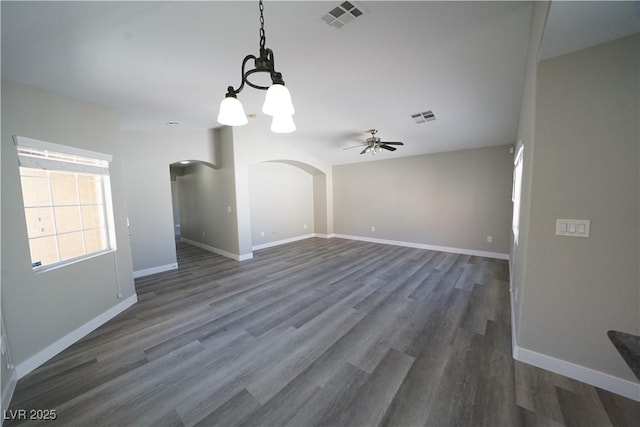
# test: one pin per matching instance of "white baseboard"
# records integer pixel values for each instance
(224, 253)
(282, 242)
(7, 393)
(599, 379)
(244, 257)
(155, 270)
(496, 255)
(47, 353)
(324, 236)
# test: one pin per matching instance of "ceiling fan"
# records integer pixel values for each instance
(373, 144)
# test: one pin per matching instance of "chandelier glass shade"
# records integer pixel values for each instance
(282, 124)
(231, 112)
(277, 100)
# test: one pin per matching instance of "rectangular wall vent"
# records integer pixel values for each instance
(343, 14)
(425, 116)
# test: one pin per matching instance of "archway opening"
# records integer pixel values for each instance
(287, 202)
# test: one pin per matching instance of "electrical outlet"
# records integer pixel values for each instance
(373, 228)
(262, 234)
(229, 209)
(203, 234)
(489, 239)
(304, 226)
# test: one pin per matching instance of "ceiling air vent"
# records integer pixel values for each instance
(425, 116)
(343, 14)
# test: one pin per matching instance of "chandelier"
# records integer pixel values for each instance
(277, 101)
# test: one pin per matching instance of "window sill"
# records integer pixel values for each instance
(51, 267)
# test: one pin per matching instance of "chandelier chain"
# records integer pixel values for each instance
(262, 34)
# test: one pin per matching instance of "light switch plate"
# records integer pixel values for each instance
(573, 227)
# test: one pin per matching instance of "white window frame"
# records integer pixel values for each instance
(37, 154)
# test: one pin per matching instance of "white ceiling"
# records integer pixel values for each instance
(577, 25)
(172, 61)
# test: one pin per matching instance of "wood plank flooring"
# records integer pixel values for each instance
(317, 332)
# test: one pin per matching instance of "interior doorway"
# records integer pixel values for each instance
(176, 208)
(176, 170)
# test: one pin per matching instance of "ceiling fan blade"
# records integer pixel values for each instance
(391, 143)
(365, 150)
(386, 147)
(355, 146)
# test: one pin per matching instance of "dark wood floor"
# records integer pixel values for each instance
(317, 332)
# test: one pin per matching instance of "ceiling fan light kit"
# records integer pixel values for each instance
(374, 145)
(277, 100)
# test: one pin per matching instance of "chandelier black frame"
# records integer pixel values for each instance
(277, 100)
(265, 63)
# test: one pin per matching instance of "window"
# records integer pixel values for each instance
(517, 192)
(67, 202)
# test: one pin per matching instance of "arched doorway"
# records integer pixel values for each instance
(287, 202)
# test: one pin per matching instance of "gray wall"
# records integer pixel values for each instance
(148, 155)
(453, 199)
(208, 201)
(585, 166)
(281, 202)
(320, 205)
(40, 309)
